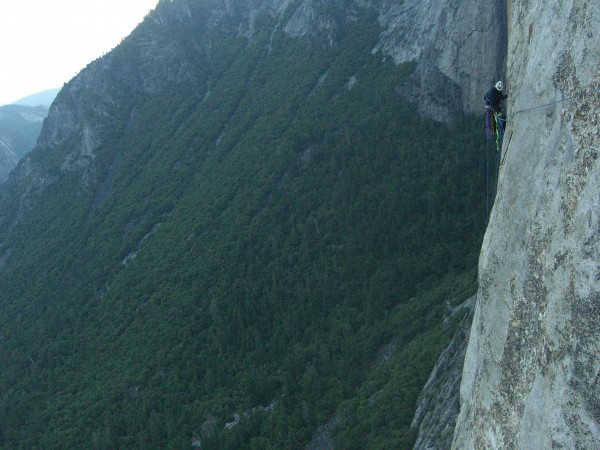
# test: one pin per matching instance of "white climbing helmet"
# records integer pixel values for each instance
(500, 86)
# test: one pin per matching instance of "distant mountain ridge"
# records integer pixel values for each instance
(43, 98)
(19, 129)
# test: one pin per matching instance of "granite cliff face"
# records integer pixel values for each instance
(531, 376)
(458, 46)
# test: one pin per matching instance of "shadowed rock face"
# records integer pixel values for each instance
(438, 403)
(459, 47)
(531, 376)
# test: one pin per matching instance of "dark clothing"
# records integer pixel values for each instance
(493, 97)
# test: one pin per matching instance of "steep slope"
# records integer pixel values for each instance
(19, 129)
(531, 373)
(233, 231)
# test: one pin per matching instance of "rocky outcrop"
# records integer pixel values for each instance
(438, 403)
(531, 378)
(91, 103)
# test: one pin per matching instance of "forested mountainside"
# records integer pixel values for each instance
(19, 129)
(235, 232)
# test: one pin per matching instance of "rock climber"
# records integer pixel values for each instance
(494, 96)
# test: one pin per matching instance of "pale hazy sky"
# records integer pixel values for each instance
(45, 43)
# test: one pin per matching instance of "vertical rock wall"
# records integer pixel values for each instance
(459, 47)
(531, 378)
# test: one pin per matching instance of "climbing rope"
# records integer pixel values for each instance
(584, 92)
(495, 125)
(579, 94)
(506, 152)
(487, 182)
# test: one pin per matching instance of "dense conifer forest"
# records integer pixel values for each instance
(230, 269)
